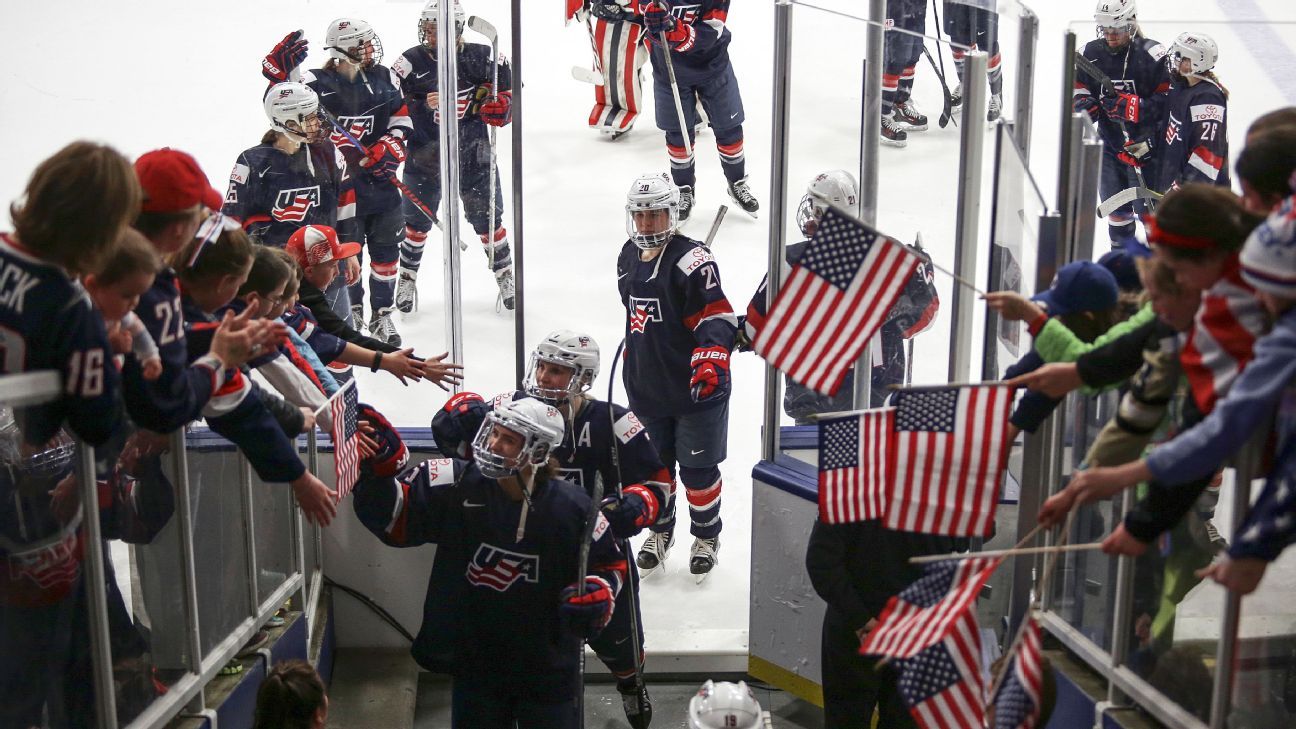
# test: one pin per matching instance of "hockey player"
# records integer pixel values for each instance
(911, 315)
(620, 51)
(899, 59)
(1196, 117)
(501, 614)
(698, 44)
(478, 105)
(679, 332)
(969, 24)
(1130, 120)
(362, 95)
(296, 176)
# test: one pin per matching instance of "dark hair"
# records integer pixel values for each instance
(294, 270)
(268, 272)
(152, 223)
(289, 697)
(269, 137)
(1268, 161)
(75, 206)
(1205, 211)
(1089, 325)
(134, 254)
(229, 254)
(1284, 117)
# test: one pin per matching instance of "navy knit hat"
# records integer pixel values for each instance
(1080, 286)
(1121, 265)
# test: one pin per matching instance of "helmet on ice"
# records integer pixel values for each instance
(724, 705)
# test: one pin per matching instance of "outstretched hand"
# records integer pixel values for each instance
(1055, 379)
(441, 372)
(1013, 306)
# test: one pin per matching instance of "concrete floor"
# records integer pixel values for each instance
(603, 705)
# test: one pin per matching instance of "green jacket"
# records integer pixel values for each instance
(1056, 343)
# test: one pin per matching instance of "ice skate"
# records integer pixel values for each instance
(995, 108)
(703, 557)
(504, 279)
(742, 194)
(613, 134)
(892, 133)
(406, 292)
(382, 328)
(686, 202)
(652, 555)
(637, 704)
(956, 100)
(906, 112)
(357, 317)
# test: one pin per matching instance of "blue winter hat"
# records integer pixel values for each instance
(1080, 286)
(1269, 255)
(1121, 264)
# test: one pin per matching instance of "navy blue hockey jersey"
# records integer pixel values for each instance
(187, 382)
(492, 605)
(417, 71)
(368, 107)
(48, 323)
(273, 193)
(674, 304)
(1195, 145)
(706, 53)
(1140, 68)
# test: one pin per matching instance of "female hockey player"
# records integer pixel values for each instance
(1196, 117)
(479, 105)
(620, 52)
(362, 95)
(1126, 105)
(679, 332)
(502, 615)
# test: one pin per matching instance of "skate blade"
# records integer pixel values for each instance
(700, 578)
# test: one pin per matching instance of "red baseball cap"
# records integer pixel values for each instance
(173, 181)
(315, 244)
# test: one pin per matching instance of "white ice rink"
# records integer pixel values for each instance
(152, 73)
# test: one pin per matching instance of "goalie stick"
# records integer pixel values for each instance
(586, 75)
(1125, 197)
(1089, 67)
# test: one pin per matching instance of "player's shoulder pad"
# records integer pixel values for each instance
(504, 397)
(239, 175)
(628, 426)
(1206, 112)
(1154, 49)
(439, 471)
(600, 526)
(310, 77)
(402, 66)
(695, 258)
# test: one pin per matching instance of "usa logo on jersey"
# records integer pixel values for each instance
(292, 205)
(686, 13)
(499, 569)
(643, 311)
(357, 126)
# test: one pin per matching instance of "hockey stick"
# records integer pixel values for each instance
(947, 112)
(715, 226)
(591, 519)
(1089, 67)
(481, 25)
(586, 75)
(636, 649)
(675, 94)
(395, 181)
(1125, 197)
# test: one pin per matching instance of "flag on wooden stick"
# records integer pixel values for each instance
(836, 298)
(346, 451)
(1017, 701)
(942, 685)
(924, 612)
(852, 466)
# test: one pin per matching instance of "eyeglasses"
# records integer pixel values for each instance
(208, 230)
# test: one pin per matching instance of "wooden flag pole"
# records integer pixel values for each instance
(957, 278)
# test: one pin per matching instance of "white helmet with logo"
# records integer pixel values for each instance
(647, 193)
(835, 187)
(1119, 14)
(574, 350)
(352, 40)
(292, 102)
(432, 13)
(724, 705)
(1199, 48)
(541, 427)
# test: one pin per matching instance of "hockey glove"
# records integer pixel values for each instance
(384, 156)
(586, 615)
(391, 456)
(1122, 107)
(1133, 152)
(609, 11)
(1086, 104)
(279, 63)
(497, 111)
(658, 19)
(710, 380)
(629, 514)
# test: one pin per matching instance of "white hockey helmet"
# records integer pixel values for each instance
(576, 351)
(354, 41)
(649, 192)
(724, 705)
(295, 103)
(1199, 48)
(541, 427)
(1118, 14)
(432, 13)
(835, 187)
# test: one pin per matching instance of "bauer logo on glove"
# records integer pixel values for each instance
(710, 380)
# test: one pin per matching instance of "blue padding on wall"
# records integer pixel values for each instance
(799, 437)
(789, 474)
(1074, 708)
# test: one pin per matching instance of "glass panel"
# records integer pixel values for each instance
(272, 506)
(220, 553)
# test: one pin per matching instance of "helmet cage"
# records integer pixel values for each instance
(808, 213)
(429, 18)
(581, 381)
(534, 451)
(361, 47)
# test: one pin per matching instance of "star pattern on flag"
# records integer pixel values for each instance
(932, 586)
(1013, 702)
(841, 441)
(927, 674)
(839, 251)
(932, 411)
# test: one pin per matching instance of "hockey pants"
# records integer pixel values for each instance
(720, 98)
(474, 190)
(696, 442)
(382, 235)
(620, 55)
(978, 28)
(1114, 177)
(901, 50)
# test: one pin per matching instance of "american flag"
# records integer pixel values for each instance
(835, 299)
(1017, 701)
(942, 685)
(852, 466)
(950, 449)
(924, 613)
(346, 452)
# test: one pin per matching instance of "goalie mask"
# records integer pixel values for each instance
(354, 41)
(431, 15)
(515, 435)
(724, 705)
(836, 187)
(570, 350)
(652, 211)
(293, 109)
